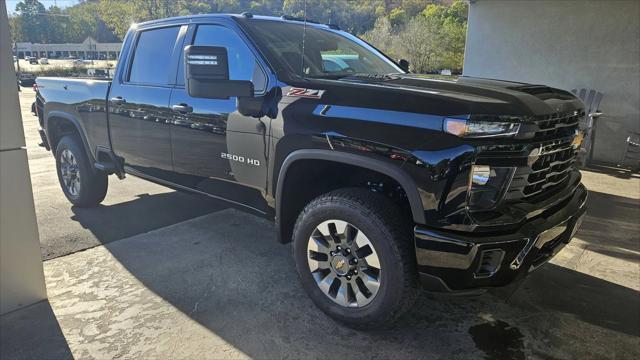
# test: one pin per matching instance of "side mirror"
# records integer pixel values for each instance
(207, 74)
(266, 105)
(404, 65)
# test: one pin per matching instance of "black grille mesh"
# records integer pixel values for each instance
(547, 173)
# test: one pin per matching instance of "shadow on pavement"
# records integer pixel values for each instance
(621, 173)
(32, 333)
(611, 226)
(147, 212)
(227, 272)
(592, 300)
(107, 223)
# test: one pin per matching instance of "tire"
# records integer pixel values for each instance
(370, 219)
(83, 185)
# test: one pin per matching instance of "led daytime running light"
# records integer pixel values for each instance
(480, 129)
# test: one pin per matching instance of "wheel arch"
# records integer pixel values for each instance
(58, 120)
(366, 163)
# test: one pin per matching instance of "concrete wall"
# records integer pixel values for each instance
(565, 44)
(21, 275)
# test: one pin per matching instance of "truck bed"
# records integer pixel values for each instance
(81, 99)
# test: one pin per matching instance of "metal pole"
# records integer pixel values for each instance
(15, 46)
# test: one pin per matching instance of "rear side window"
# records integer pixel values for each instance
(152, 56)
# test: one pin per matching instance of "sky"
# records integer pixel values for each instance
(11, 4)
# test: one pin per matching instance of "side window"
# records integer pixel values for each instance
(152, 56)
(242, 62)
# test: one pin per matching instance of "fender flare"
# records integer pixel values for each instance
(394, 172)
(76, 124)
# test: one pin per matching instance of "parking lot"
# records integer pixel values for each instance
(154, 273)
(65, 63)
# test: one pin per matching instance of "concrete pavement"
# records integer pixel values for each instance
(220, 286)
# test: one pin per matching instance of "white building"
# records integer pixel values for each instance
(88, 49)
(566, 44)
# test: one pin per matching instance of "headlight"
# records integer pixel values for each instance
(487, 186)
(477, 127)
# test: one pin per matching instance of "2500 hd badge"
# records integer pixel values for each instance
(240, 159)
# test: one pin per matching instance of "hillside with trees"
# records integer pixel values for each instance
(428, 33)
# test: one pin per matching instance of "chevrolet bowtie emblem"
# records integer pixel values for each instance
(533, 156)
(577, 139)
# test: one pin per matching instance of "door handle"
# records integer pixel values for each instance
(182, 108)
(118, 100)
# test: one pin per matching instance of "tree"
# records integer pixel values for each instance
(118, 15)
(431, 40)
(15, 27)
(453, 29)
(34, 26)
(85, 20)
(414, 7)
(383, 37)
(353, 16)
(429, 33)
(398, 17)
(422, 44)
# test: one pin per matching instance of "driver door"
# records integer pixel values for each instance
(216, 149)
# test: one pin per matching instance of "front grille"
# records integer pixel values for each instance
(542, 153)
(556, 125)
(538, 178)
(548, 173)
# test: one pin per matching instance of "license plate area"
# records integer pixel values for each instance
(554, 240)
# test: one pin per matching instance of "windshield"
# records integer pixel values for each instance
(327, 53)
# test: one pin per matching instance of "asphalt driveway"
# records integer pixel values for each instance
(132, 206)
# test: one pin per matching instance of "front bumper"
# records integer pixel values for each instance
(449, 261)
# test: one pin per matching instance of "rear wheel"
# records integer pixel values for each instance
(354, 256)
(82, 185)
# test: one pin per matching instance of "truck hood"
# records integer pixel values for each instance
(466, 95)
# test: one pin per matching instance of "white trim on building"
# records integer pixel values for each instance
(88, 49)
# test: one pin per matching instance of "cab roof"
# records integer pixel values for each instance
(241, 17)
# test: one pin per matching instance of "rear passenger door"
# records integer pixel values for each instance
(139, 115)
(216, 149)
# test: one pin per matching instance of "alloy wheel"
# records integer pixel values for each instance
(70, 172)
(344, 263)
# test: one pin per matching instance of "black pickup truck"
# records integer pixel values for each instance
(382, 179)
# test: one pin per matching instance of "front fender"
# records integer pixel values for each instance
(388, 169)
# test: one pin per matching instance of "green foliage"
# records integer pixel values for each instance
(34, 23)
(432, 40)
(118, 15)
(33, 26)
(383, 37)
(398, 16)
(353, 16)
(428, 33)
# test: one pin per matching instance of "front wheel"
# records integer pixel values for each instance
(82, 185)
(354, 255)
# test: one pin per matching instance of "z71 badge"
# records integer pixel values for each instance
(306, 93)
